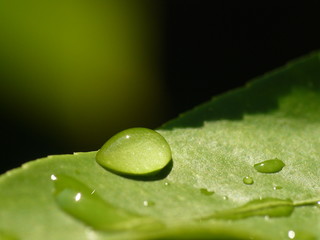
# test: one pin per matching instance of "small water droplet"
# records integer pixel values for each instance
(277, 187)
(291, 234)
(269, 166)
(53, 177)
(248, 180)
(81, 202)
(271, 207)
(166, 184)
(148, 203)
(135, 151)
(206, 192)
(225, 198)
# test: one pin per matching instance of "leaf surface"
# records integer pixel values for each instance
(214, 146)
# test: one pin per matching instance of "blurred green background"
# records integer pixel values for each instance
(73, 73)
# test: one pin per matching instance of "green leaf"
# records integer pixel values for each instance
(214, 146)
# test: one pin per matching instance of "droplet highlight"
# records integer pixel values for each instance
(206, 192)
(135, 151)
(270, 166)
(291, 234)
(85, 205)
(248, 180)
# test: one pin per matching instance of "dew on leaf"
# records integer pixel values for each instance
(291, 234)
(206, 192)
(248, 180)
(147, 203)
(269, 166)
(271, 207)
(85, 205)
(277, 187)
(266, 207)
(300, 235)
(135, 151)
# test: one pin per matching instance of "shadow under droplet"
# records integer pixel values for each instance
(155, 176)
(163, 173)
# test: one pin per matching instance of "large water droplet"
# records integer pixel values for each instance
(135, 151)
(83, 203)
(248, 180)
(206, 192)
(269, 166)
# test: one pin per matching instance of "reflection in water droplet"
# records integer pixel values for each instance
(81, 202)
(77, 197)
(269, 166)
(206, 192)
(148, 203)
(248, 180)
(291, 234)
(277, 187)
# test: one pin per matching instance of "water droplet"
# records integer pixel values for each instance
(291, 234)
(206, 192)
(84, 204)
(277, 187)
(271, 207)
(225, 198)
(300, 235)
(269, 166)
(135, 151)
(148, 203)
(248, 180)
(166, 184)
(53, 177)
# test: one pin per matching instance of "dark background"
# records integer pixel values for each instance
(208, 47)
